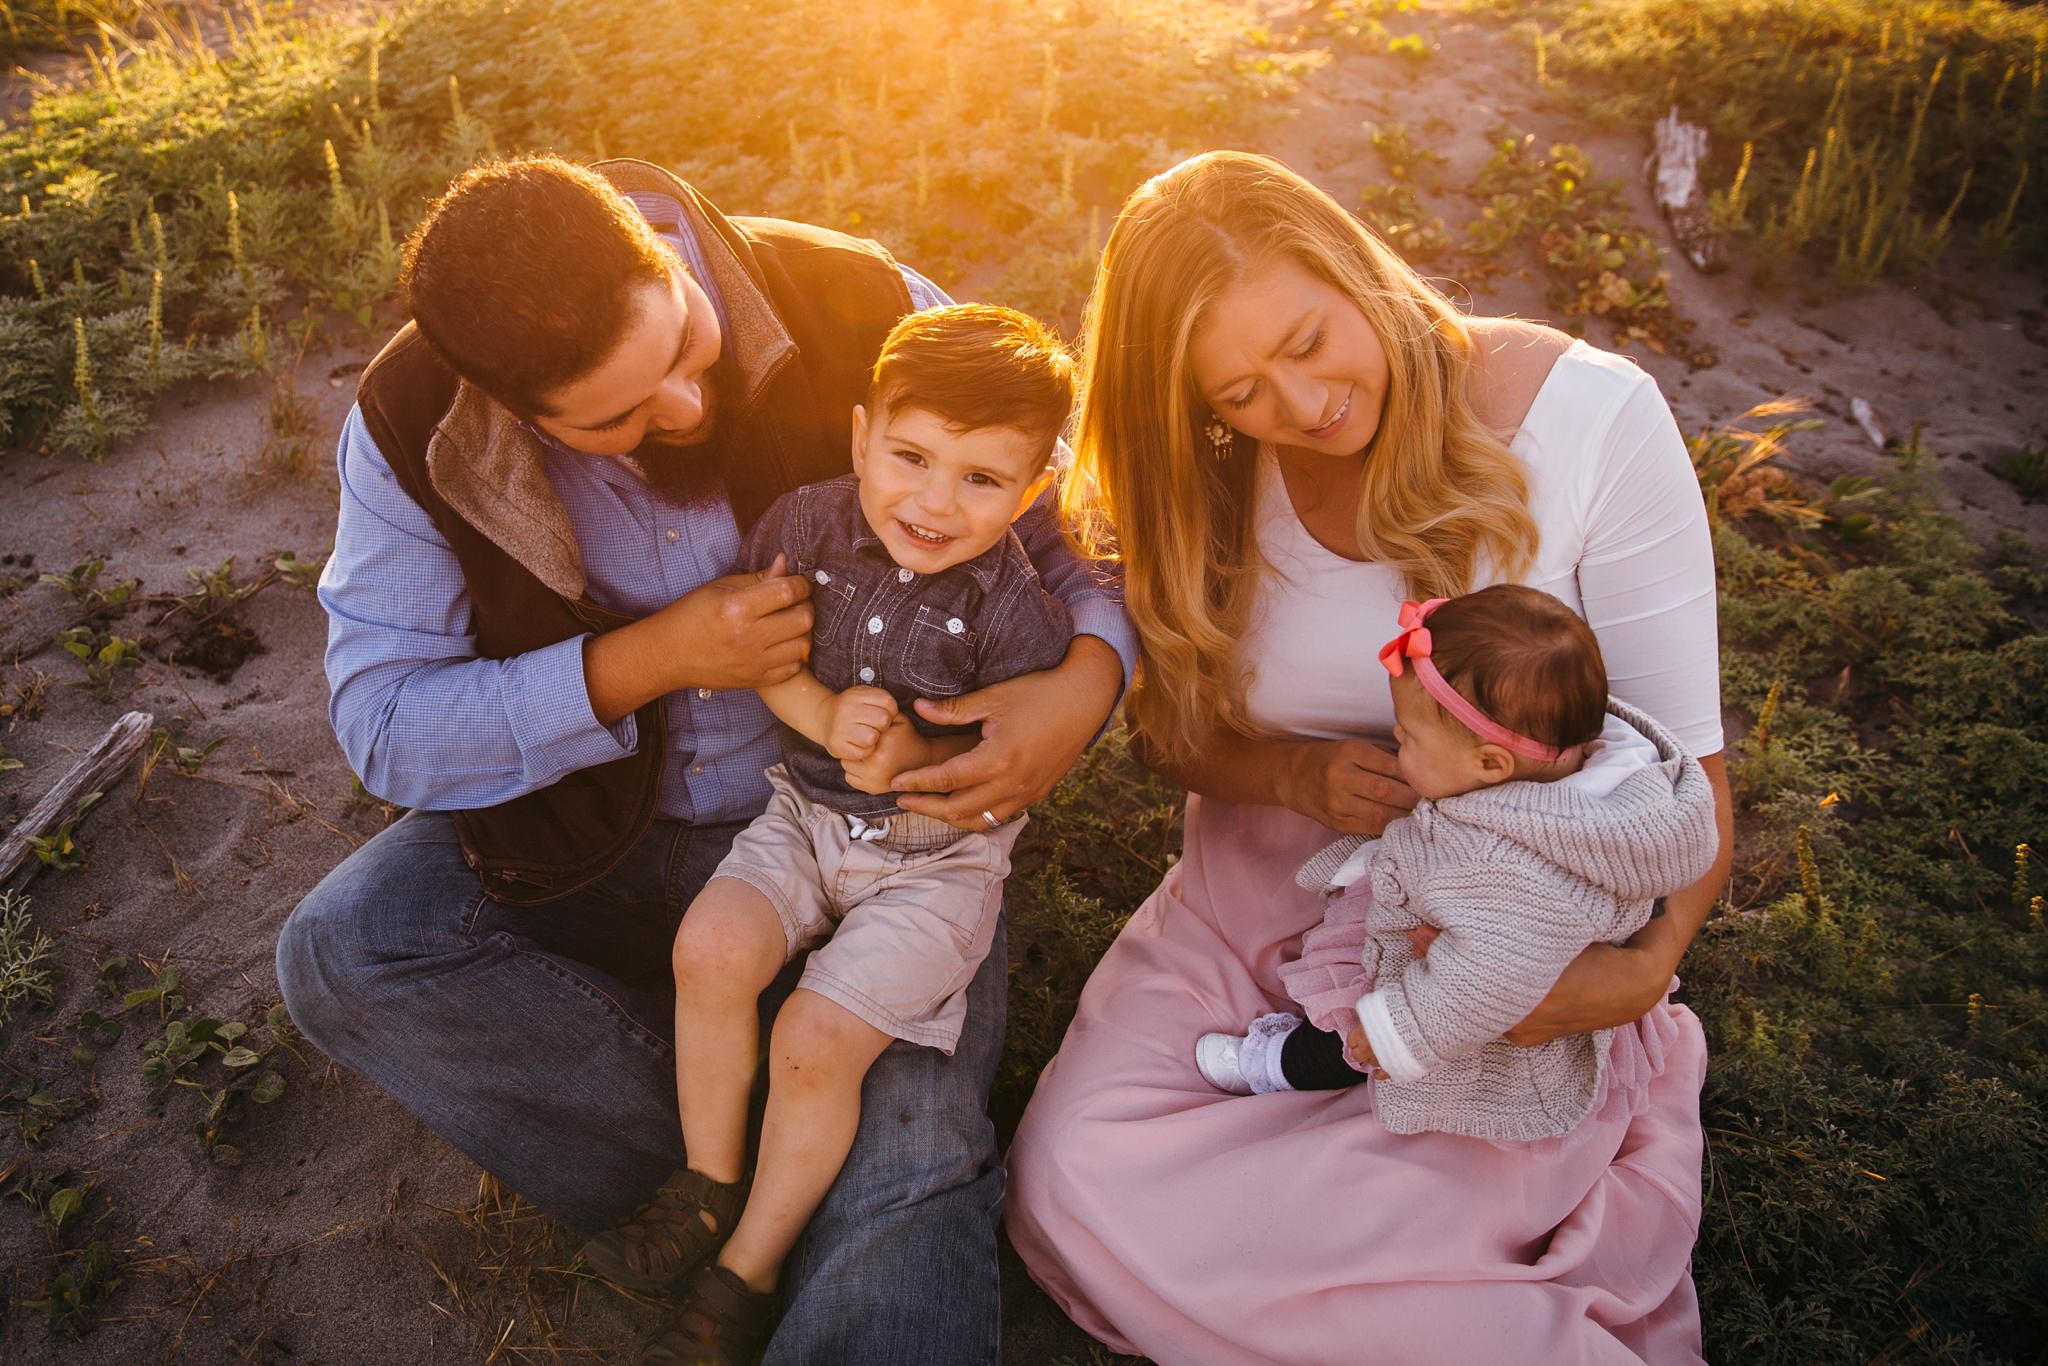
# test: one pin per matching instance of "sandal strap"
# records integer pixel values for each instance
(721, 1319)
(689, 1193)
(672, 1230)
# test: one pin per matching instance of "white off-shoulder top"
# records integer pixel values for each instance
(1624, 544)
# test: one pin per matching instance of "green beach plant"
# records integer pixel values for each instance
(1867, 130)
(27, 960)
(288, 161)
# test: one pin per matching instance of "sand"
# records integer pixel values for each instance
(349, 1232)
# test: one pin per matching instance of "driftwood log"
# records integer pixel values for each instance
(100, 766)
(1675, 161)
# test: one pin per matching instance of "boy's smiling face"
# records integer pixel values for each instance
(939, 495)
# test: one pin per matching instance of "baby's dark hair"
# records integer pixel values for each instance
(977, 365)
(1523, 658)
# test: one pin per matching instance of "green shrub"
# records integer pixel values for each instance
(28, 26)
(1877, 1147)
(1877, 125)
(288, 164)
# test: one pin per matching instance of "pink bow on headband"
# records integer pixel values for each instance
(1413, 642)
(1413, 645)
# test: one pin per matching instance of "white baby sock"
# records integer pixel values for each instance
(1258, 1057)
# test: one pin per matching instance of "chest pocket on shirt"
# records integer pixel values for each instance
(831, 595)
(938, 655)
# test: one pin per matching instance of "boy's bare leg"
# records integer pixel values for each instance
(820, 1054)
(729, 947)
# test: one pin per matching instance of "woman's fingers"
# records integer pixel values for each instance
(1369, 773)
(1366, 755)
(1354, 813)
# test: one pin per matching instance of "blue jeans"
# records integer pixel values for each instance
(539, 1041)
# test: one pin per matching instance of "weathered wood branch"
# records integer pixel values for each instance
(100, 766)
(1866, 418)
(1679, 153)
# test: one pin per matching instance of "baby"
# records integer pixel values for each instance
(920, 589)
(1550, 819)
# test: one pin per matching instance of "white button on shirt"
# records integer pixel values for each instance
(867, 675)
(822, 577)
(955, 626)
(904, 576)
(704, 694)
(672, 534)
(874, 626)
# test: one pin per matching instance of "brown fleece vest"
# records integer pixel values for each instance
(808, 312)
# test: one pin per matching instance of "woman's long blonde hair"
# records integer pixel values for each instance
(1440, 493)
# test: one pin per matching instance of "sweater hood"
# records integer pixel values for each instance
(1636, 827)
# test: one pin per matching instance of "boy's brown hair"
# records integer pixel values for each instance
(977, 365)
(1526, 660)
(523, 273)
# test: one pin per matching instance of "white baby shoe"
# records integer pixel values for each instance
(1249, 1063)
(1216, 1060)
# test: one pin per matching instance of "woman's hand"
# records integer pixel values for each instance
(1605, 987)
(1347, 785)
(1610, 985)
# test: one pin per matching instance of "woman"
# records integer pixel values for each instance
(1291, 432)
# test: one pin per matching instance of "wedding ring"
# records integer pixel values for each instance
(990, 817)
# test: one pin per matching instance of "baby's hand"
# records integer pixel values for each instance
(899, 750)
(1362, 1050)
(859, 716)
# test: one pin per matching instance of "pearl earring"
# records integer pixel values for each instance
(1222, 440)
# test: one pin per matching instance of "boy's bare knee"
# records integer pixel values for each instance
(817, 1039)
(726, 946)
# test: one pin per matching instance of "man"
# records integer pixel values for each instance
(536, 642)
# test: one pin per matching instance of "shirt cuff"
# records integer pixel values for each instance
(1388, 1050)
(552, 723)
(1104, 619)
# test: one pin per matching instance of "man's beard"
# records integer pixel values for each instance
(685, 471)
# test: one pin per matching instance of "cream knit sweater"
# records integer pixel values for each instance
(1518, 879)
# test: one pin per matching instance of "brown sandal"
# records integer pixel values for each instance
(723, 1322)
(686, 1221)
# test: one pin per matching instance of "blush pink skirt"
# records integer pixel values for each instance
(1192, 1227)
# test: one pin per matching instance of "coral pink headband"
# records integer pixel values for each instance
(1413, 645)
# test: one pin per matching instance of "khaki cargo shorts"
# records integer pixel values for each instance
(900, 924)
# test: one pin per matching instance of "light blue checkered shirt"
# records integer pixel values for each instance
(426, 723)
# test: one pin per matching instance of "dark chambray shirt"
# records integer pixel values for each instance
(917, 635)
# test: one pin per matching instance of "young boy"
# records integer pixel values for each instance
(920, 590)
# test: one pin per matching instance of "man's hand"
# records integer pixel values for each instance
(741, 631)
(1346, 785)
(859, 718)
(1033, 728)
